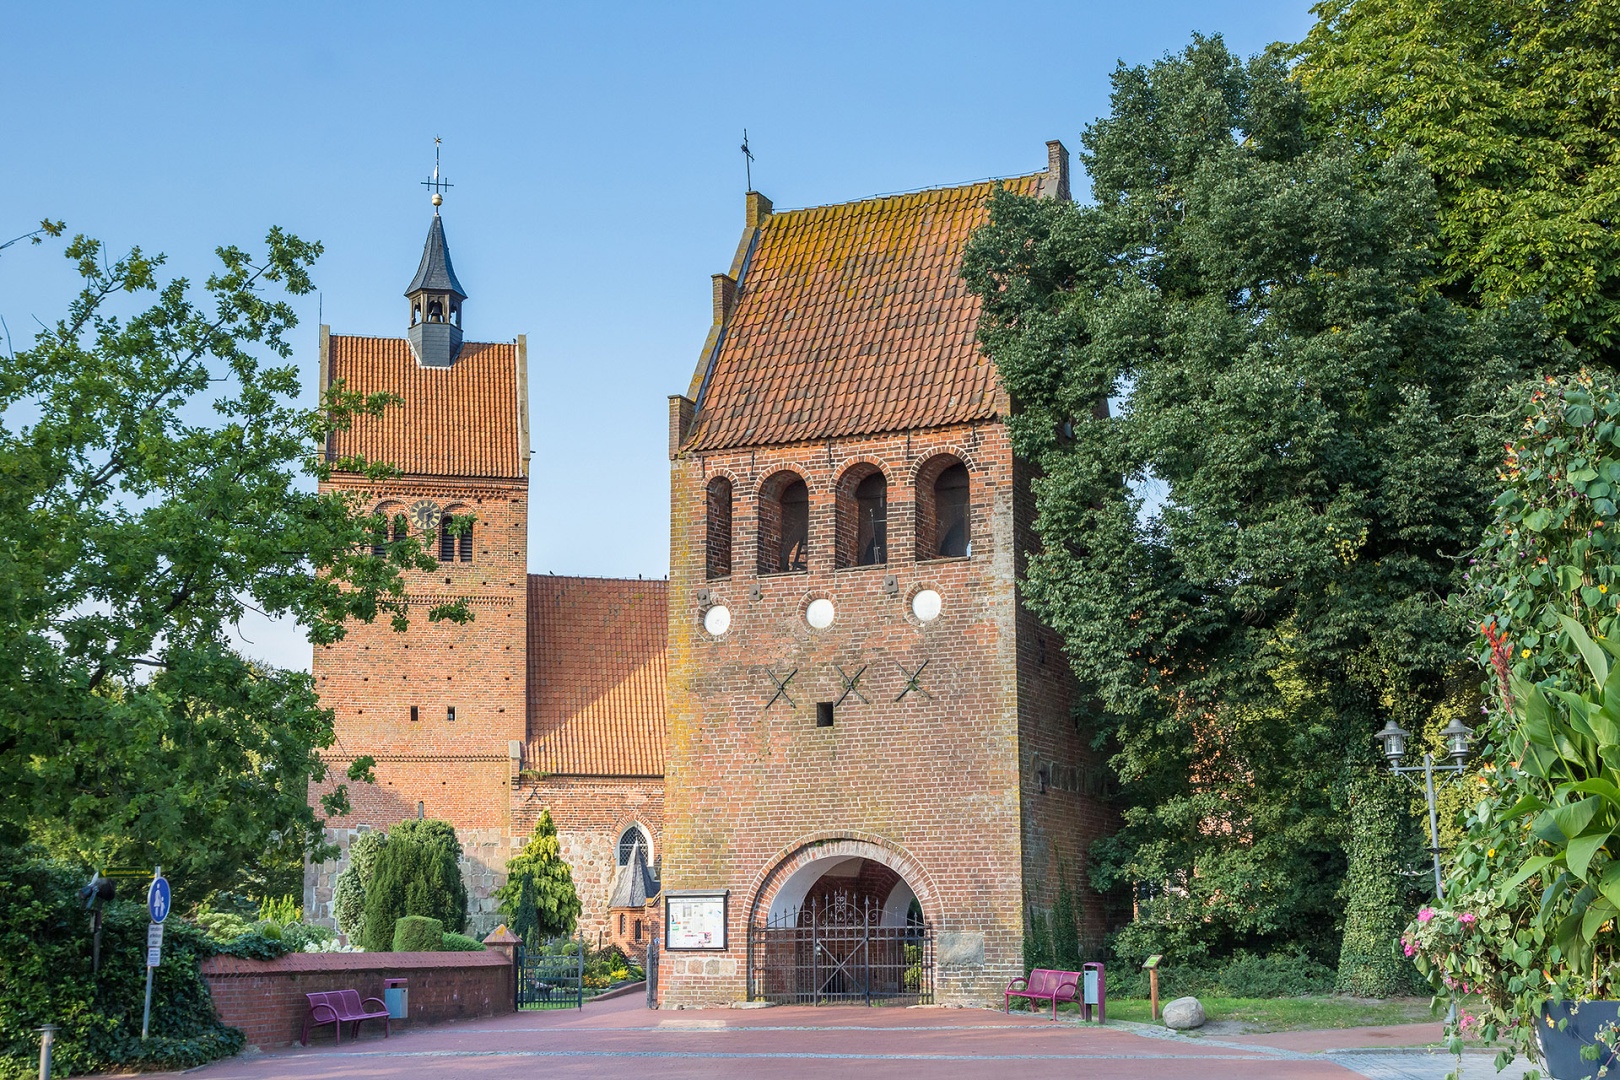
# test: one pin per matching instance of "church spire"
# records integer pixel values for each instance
(434, 293)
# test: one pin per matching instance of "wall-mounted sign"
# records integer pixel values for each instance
(695, 919)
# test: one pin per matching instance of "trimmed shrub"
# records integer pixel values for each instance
(462, 943)
(418, 933)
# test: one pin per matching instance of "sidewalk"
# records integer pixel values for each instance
(801, 1043)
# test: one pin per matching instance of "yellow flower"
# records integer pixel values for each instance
(1603, 588)
(1490, 853)
(1525, 652)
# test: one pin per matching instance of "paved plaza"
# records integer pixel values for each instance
(623, 1038)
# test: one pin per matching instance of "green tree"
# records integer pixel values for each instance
(157, 485)
(538, 900)
(415, 873)
(1263, 444)
(1512, 107)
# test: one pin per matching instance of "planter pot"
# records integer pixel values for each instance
(1562, 1049)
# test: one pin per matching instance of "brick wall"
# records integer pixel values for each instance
(265, 998)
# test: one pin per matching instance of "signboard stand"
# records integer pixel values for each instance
(157, 905)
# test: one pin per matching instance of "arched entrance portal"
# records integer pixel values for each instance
(840, 928)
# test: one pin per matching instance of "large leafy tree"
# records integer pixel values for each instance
(156, 482)
(1263, 441)
(1512, 107)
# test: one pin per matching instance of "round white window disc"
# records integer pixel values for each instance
(717, 620)
(926, 605)
(819, 614)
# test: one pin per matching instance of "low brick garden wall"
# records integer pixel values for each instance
(265, 998)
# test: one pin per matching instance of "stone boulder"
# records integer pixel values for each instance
(1184, 1014)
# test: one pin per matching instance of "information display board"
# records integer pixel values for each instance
(695, 919)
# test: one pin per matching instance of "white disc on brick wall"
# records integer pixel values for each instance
(819, 614)
(717, 620)
(926, 605)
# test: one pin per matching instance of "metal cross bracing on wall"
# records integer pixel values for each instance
(838, 951)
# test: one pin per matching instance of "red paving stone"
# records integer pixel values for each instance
(622, 1037)
(1428, 1034)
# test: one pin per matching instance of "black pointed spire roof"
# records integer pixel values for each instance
(436, 274)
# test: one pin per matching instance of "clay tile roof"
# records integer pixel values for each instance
(596, 676)
(853, 319)
(460, 420)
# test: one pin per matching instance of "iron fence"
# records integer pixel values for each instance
(840, 951)
(552, 976)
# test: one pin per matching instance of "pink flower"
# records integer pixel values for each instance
(1426, 914)
(1467, 918)
(1408, 948)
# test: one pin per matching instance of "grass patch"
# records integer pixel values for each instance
(1292, 1014)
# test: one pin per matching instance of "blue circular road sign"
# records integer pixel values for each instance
(157, 899)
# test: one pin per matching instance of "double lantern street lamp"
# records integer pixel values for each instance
(1456, 736)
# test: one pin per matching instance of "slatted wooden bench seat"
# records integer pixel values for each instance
(1044, 985)
(336, 1006)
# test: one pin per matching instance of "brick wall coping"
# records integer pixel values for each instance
(299, 963)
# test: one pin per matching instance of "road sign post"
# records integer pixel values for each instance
(158, 900)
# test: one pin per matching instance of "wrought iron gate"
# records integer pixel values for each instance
(553, 976)
(838, 951)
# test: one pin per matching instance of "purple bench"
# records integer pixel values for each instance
(336, 1006)
(1044, 985)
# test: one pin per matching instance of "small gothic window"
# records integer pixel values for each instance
(628, 841)
(784, 524)
(719, 528)
(638, 930)
(951, 513)
(621, 924)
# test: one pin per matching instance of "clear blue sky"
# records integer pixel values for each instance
(594, 152)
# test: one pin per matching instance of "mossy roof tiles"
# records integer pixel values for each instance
(853, 319)
(596, 676)
(460, 420)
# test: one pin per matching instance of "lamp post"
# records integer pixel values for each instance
(1456, 736)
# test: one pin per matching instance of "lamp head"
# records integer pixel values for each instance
(1457, 736)
(1393, 737)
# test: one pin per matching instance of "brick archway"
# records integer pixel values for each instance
(832, 849)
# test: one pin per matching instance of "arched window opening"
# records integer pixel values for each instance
(621, 924)
(872, 521)
(638, 930)
(784, 524)
(862, 506)
(719, 535)
(944, 509)
(627, 844)
(455, 545)
(951, 512)
(455, 314)
(435, 311)
(416, 314)
(391, 527)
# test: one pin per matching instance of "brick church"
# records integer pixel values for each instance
(840, 745)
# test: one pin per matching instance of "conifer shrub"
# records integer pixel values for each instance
(417, 933)
(416, 872)
(349, 894)
(454, 942)
(538, 900)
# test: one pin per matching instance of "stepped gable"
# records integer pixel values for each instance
(596, 676)
(853, 319)
(460, 420)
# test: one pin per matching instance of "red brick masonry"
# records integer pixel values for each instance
(265, 998)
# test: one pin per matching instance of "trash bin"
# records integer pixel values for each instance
(397, 996)
(1094, 992)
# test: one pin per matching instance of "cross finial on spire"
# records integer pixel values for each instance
(748, 160)
(437, 183)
